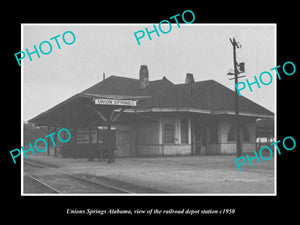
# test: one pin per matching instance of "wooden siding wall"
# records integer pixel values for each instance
(148, 141)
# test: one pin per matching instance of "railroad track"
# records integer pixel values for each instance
(57, 181)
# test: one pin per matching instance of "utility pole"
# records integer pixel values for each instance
(236, 45)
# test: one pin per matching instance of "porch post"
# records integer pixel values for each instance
(178, 129)
(110, 149)
(190, 134)
(91, 155)
(160, 135)
(189, 131)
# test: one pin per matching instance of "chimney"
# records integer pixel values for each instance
(144, 76)
(189, 79)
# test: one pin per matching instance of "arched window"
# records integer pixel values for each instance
(244, 131)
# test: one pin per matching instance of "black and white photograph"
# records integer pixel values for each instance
(108, 113)
(148, 111)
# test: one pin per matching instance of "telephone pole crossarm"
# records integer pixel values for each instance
(236, 98)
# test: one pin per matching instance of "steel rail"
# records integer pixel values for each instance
(43, 183)
(80, 178)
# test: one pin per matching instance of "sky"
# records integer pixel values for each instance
(201, 49)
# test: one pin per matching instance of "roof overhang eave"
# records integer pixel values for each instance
(194, 110)
(86, 95)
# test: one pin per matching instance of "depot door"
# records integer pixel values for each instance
(124, 143)
(199, 140)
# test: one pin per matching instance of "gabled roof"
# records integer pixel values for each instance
(208, 97)
(162, 92)
(213, 96)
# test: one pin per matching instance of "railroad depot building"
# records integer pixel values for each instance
(193, 118)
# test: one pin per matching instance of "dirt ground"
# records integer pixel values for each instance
(207, 175)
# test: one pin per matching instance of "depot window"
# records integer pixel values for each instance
(169, 131)
(244, 131)
(213, 137)
(184, 130)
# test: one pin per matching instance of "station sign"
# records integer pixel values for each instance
(123, 102)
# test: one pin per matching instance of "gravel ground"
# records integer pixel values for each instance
(177, 175)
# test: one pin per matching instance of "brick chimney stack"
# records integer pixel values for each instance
(144, 77)
(189, 79)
